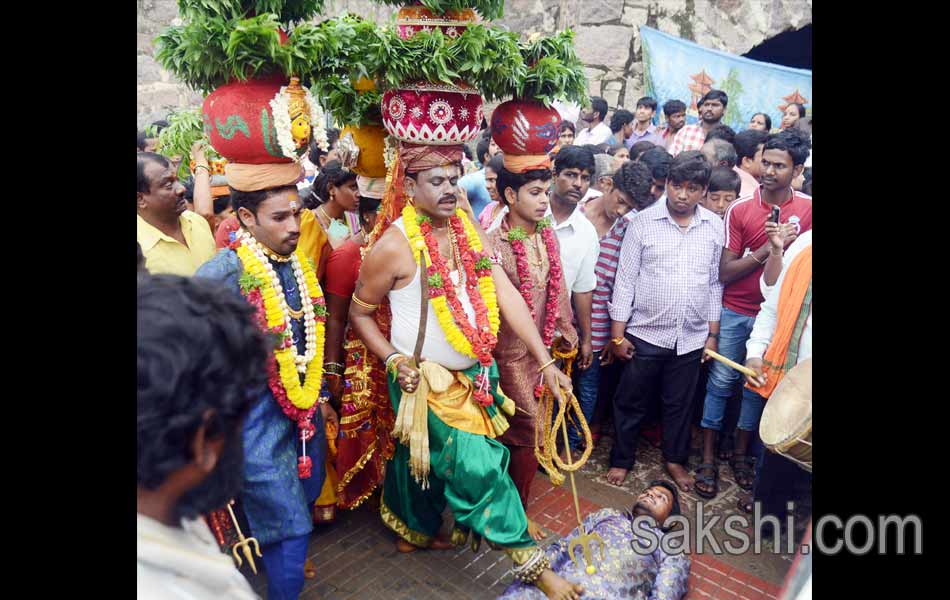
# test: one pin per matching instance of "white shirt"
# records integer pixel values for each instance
(568, 110)
(590, 195)
(765, 322)
(580, 246)
(185, 564)
(598, 135)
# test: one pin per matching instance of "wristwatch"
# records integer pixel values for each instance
(713, 335)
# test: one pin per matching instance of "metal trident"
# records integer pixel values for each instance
(584, 539)
(244, 544)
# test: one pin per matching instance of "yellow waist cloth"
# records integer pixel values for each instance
(457, 409)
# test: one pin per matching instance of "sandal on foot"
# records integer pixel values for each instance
(742, 470)
(707, 480)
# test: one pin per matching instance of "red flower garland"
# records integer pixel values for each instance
(551, 306)
(480, 336)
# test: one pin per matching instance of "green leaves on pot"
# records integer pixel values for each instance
(185, 127)
(488, 9)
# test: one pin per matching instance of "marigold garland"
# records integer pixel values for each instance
(476, 342)
(260, 286)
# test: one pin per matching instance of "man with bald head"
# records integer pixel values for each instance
(721, 153)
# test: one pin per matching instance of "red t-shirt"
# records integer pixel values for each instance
(745, 232)
(343, 270)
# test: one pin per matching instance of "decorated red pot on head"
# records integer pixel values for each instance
(433, 113)
(417, 18)
(526, 131)
(263, 122)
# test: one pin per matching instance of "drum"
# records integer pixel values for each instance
(786, 421)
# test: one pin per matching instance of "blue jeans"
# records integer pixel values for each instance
(586, 385)
(734, 332)
(284, 561)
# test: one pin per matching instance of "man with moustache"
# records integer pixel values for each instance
(449, 405)
(200, 358)
(173, 239)
(712, 107)
(598, 132)
(632, 571)
(283, 476)
(665, 310)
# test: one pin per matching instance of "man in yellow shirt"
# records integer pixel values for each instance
(174, 240)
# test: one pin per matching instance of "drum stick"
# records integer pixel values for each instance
(730, 363)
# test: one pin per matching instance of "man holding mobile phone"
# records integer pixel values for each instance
(759, 226)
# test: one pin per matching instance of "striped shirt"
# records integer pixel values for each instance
(667, 287)
(606, 270)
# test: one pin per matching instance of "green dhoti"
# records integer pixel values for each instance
(469, 473)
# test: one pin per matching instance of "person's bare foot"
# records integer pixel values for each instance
(681, 476)
(535, 531)
(557, 588)
(309, 569)
(617, 475)
(437, 544)
(405, 547)
(440, 544)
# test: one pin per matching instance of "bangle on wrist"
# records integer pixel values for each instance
(752, 254)
(546, 365)
(713, 335)
(205, 167)
(617, 340)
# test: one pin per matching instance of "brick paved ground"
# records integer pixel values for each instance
(356, 556)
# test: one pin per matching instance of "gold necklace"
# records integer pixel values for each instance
(273, 255)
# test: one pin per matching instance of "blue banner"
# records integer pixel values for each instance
(674, 68)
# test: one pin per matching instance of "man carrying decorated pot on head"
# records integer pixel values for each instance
(284, 437)
(446, 295)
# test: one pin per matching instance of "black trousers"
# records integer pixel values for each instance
(652, 372)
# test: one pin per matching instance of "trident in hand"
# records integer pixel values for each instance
(585, 538)
(244, 544)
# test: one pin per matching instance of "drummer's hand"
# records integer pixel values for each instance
(756, 365)
(711, 344)
(408, 377)
(555, 379)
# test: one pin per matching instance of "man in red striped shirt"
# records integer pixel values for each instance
(751, 244)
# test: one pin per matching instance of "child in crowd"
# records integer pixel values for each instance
(724, 184)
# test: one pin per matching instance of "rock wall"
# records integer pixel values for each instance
(607, 38)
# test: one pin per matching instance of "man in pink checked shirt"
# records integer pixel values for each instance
(670, 258)
(711, 108)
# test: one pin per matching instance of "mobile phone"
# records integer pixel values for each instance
(774, 217)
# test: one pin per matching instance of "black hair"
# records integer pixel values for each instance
(768, 120)
(496, 163)
(572, 157)
(673, 106)
(800, 107)
(599, 105)
(367, 205)
(714, 95)
(675, 508)
(198, 350)
(481, 149)
(611, 149)
(566, 125)
(639, 148)
(722, 151)
(140, 144)
(690, 167)
(747, 142)
(515, 181)
(620, 118)
(221, 203)
(189, 184)
(143, 159)
(658, 160)
(333, 136)
(635, 180)
(722, 132)
(252, 200)
(806, 185)
(791, 141)
(724, 179)
(333, 173)
(467, 151)
(648, 102)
